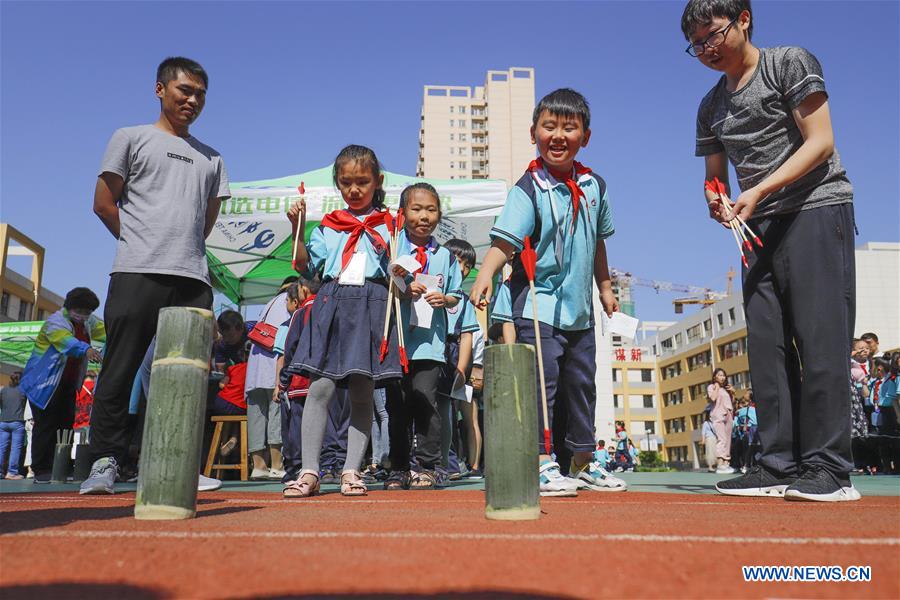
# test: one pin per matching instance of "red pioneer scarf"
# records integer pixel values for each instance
(341, 220)
(574, 189)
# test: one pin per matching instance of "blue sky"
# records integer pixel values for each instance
(291, 83)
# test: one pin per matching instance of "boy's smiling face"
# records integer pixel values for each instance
(558, 139)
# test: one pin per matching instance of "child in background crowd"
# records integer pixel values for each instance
(341, 345)
(421, 405)
(601, 455)
(230, 358)
(461, 327)
(624, 461)
(708, 434)
(859, 397)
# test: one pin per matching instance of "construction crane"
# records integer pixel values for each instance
(698, 295)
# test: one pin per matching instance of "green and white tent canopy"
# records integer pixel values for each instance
(17, 340)
(249, 249)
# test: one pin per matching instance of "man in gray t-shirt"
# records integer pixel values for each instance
(159, 192)
(768, 115)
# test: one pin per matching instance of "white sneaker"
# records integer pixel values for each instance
(726, 470)
(553, 483)
(258, 474)
(208, 484)
(594, 477)
(102, 479)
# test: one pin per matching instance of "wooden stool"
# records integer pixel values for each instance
(211, 465)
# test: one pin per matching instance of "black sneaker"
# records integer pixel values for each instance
(475, 474)
(758, 481)
(817, 484)
(42, 477)
(329, 477)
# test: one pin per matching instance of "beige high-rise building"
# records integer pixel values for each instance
(480, 132)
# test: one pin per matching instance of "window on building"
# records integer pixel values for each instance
(734, 348)
(461, 151)
(462, 137)
(459, 93)
(615, 374)
(700, 360)
(648, 401)
(673, 398)
(42, 314)
(4, 304)
(694, 333)
(452, 122)
(520, 74)
(677, 340)
(438, 92)
(666, 344)
(707, 327)
(498, 77)
(462, 123)
(617, 400)
(673, 370)
(462, 164)
(451, 110)
(451, 137)
(452, 150)
(721, 319)
(646, 374)
(698, 391)
(731, 317)
(650, 426)
(25, 311)
(462, 110)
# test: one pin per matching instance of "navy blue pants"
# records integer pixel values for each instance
(291, 418)
(334, 445)
(569, 369)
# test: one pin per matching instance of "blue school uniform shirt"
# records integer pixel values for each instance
(461, 318)
(602, 457)
(541, 207)
(326, 246)
(501, 311)
(430, 344)
(887, 393)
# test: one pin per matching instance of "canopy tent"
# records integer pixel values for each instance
(249, 249)
(17, 341)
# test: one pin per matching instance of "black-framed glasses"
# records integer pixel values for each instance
(713, 40)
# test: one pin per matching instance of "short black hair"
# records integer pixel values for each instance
(699, 13)
(288, 281)
(293, 292)
(420, 185)
(313, 284)
(81, 297)
(869, 336)
(169, 69)
(601, 443)
(229, 320)
(566, 102)
(463, 251)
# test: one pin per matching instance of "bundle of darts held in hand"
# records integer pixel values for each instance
(739, 227)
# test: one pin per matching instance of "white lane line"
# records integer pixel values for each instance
(402, 535)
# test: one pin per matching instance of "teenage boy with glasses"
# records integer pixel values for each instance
(768, 114)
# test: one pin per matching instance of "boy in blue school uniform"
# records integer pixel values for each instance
(563, 207)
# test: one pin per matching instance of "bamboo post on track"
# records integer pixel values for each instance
(173, 428)
(511, 433)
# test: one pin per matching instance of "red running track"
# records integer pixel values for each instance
(413, 544)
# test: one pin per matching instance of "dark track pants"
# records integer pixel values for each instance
(132, 309)
(800, 303)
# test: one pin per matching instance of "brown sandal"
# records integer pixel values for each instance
(302, 488)
(423, 480)
(352, 484)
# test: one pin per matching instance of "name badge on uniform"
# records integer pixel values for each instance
(355, 273)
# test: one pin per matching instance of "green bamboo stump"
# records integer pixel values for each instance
(173, 427)
(511, 433)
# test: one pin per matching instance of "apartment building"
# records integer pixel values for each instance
(686, 354)
(480, 132)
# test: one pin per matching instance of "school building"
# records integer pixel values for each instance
(636, 397)
(686, 354)
(480, 132)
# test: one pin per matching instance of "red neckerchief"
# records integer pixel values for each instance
(421, 252)
(864, 368)
(574, 189)
(341, 220)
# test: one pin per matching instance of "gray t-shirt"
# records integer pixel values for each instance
(168, 183)
(755, 127)
(12, 404)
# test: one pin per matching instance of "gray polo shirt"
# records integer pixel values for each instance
(755, 127)
(169, 181)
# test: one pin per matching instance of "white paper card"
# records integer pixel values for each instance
(408, 263)
(621, 324)
(422, 311)
(355, 273)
